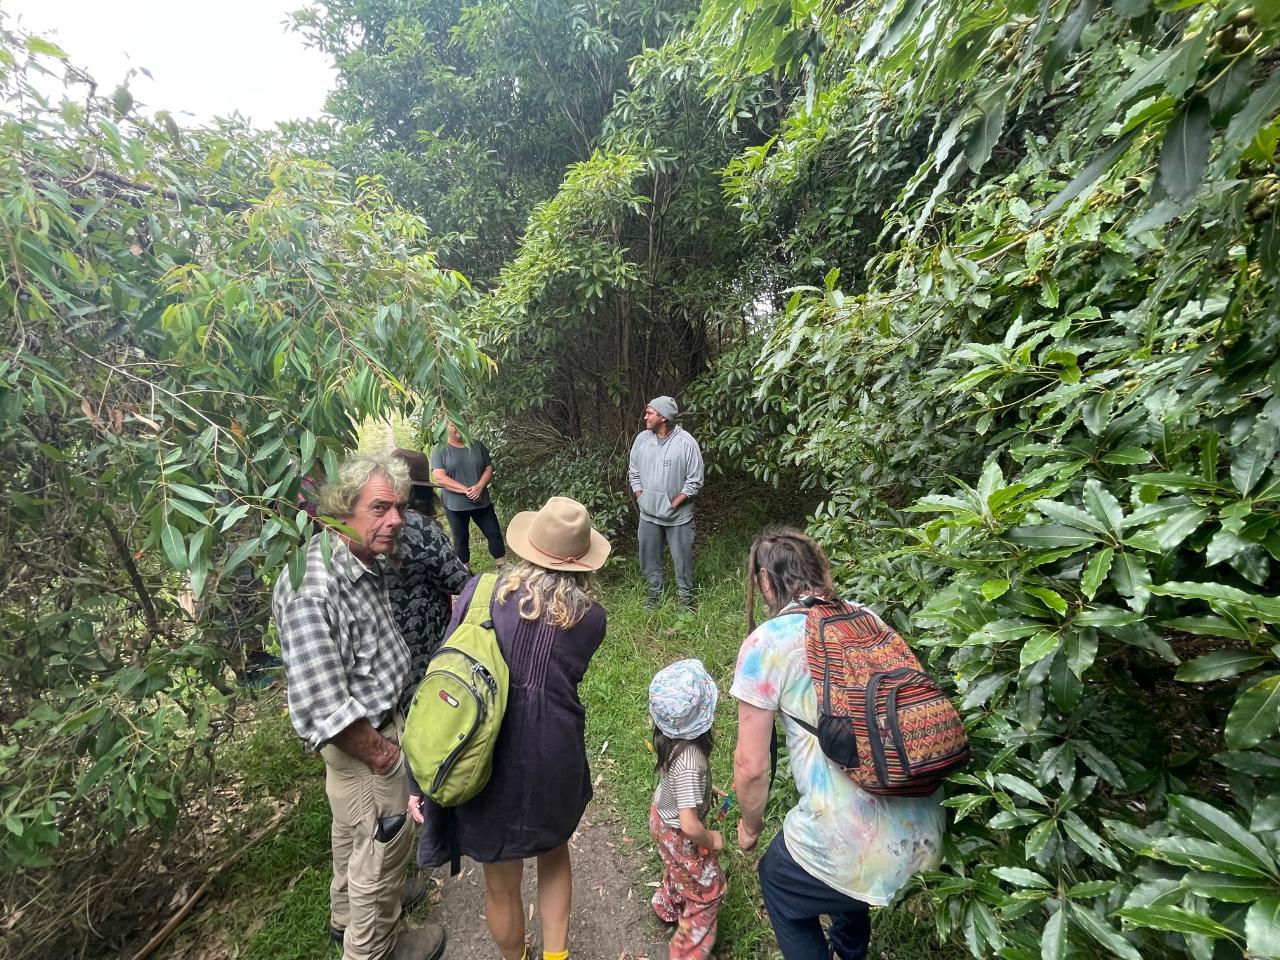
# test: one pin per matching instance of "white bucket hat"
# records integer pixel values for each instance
(682, 700)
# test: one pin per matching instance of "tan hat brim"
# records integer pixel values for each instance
(519, 542)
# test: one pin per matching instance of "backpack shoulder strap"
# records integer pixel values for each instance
(478, 613)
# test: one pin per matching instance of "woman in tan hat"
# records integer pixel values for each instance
(549, 626)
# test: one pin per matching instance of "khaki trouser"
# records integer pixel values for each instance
(368, 874)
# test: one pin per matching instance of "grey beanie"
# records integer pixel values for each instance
(665, 407)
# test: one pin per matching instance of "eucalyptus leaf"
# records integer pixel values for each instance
(175, 548)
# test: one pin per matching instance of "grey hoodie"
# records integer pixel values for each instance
(663, 471)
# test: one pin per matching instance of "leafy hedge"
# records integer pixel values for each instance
(192, 320)
(1046, 418)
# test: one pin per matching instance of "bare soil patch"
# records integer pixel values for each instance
(611, 917)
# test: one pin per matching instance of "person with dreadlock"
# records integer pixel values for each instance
(841, 850)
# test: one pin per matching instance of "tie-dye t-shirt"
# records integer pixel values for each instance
(865, 846)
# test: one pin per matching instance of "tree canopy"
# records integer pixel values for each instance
(192, 320)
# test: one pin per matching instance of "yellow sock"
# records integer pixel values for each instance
(548, 955)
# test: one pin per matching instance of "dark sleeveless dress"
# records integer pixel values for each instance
(541, 782)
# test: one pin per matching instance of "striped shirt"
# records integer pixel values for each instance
(344, 658)
(683, 785)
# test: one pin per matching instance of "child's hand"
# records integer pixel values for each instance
(717, 840)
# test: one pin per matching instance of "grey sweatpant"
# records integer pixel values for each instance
(680, 541)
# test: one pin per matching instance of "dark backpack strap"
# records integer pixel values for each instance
(804, 724)
(773, 744)
(773, 755)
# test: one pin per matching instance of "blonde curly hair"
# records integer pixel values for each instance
(564, 597)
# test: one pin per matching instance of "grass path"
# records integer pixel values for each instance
(273, 905)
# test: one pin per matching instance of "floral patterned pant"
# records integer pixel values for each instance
(692, 887)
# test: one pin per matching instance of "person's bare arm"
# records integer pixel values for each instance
(474, 491)
(363, 742)
(448, 482)
(751, 770)
(698, 832)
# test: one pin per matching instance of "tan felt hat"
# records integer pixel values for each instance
(558, 537)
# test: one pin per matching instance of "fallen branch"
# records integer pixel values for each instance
(154, 943)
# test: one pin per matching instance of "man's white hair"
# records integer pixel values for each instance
(338, 497)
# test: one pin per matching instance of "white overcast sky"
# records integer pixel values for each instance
(207, 58)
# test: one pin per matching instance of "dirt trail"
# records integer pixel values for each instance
(611, 917)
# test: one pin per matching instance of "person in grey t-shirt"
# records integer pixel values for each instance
(665, 472)
(464, 472)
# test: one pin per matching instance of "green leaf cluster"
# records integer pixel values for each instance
(1029, 358)
(192, 322)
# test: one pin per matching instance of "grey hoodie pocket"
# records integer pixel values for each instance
(656, 503)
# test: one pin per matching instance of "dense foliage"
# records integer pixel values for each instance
(472, 110)
(998, 281)
(1057, 352)
(192, 320)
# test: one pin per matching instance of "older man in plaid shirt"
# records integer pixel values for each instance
(347, 665)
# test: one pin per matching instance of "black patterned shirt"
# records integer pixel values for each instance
(420, 581)
(344, 658)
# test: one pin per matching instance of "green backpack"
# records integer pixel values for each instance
(456, 714)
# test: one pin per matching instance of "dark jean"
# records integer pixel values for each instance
(795, 901)
(486, 520)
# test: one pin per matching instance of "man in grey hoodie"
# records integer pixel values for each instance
(665, 471)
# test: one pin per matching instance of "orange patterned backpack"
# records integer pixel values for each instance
(880, 716)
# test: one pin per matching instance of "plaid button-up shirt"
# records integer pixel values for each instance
(344, 658)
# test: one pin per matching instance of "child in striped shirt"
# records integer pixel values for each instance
(682, 703)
